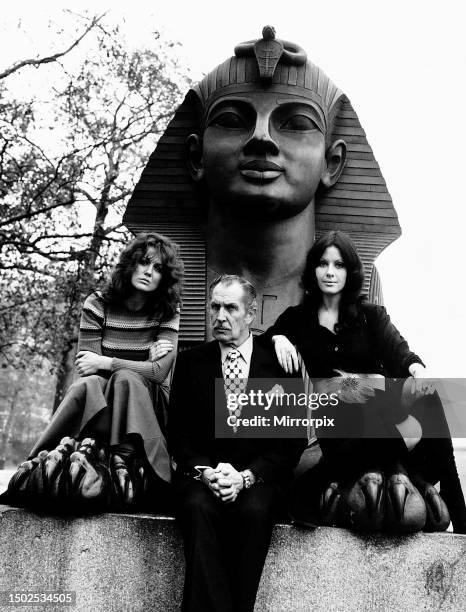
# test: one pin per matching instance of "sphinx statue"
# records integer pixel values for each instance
(264, 154)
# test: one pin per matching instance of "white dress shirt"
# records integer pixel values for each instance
(244, 361)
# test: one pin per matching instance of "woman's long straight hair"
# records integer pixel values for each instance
(351, 297)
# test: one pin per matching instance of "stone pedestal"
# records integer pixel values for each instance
(117, 562)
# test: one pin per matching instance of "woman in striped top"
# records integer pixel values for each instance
(119, 402)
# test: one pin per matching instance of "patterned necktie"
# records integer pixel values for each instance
(233, 382)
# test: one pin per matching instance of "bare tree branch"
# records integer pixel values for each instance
(34, 213)
(18, 304)
(29, 247)
(51, 58)
(29, 269)
(75, 236)
(88, 196)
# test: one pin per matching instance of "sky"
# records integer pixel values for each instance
(402, 64)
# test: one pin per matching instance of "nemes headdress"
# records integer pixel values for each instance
(267, 63)
(166, 199)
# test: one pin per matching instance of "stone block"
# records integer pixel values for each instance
(134, 562)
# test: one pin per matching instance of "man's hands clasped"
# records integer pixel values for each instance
(224, 481)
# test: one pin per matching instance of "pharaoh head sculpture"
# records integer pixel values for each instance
(265, 115)
(264, 138)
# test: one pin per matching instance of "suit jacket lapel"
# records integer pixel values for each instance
(214, 360)
(257, 360)
(255, 367)
(205, 371)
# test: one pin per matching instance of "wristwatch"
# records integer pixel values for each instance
(248, 478)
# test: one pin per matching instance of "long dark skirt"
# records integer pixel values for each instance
(110, 409)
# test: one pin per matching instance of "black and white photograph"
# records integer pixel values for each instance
(232, 320)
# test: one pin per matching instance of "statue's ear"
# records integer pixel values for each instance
(335, 158)
(252, 311)
(194, 157)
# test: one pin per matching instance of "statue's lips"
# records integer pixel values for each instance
(261, 170)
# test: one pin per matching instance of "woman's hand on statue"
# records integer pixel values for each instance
(88, 363)
(286, 354)
(422, 383)
(159, 349)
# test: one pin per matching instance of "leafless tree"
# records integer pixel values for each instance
(107, 116)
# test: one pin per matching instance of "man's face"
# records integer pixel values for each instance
(229, 317)
(263, 152)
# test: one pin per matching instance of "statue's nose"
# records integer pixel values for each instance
(261, 139)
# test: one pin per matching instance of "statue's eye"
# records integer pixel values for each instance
(298, 123)
(228, 119)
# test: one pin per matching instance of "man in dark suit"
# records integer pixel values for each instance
(228, 489)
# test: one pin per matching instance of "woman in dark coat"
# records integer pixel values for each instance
(117, 408)
(383, 478)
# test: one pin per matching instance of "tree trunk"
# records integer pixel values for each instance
(65, 374)
(84, 284)
(5, 435)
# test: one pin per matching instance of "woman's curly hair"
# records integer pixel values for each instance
(351, 297)
(165, 300)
